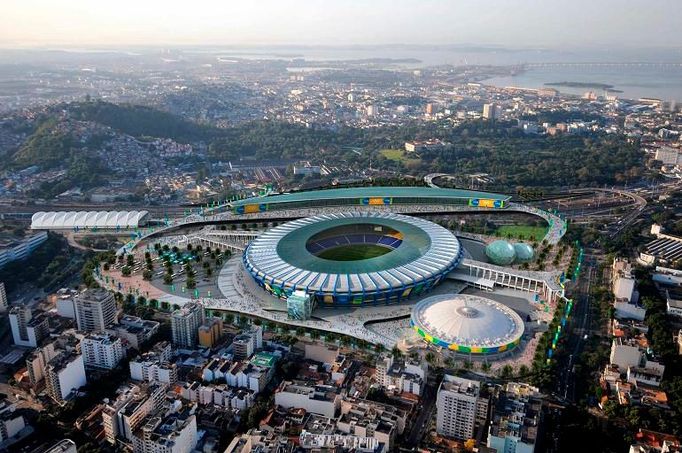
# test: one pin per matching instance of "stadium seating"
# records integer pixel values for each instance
(318, 246)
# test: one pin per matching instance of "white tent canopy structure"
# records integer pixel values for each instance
(68, 220)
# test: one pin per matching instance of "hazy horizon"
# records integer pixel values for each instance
(531, 24)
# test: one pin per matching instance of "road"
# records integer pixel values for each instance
(579, 331)
(425, 412)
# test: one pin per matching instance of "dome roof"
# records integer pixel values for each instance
(501, 253)
(469, 322)
(524, 252)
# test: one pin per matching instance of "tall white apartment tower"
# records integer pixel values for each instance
(461, 407)
(3, 298)
(95, 310)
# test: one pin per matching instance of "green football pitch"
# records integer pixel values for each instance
(353, 252)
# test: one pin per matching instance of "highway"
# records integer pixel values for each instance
(579, 331)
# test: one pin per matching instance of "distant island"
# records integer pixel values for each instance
(601, 86)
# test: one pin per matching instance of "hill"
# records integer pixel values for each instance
(138, 121)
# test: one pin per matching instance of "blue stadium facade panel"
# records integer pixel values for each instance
(421, 253)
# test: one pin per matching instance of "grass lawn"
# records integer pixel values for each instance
(353, 252)
(525, 232)
(399, 155)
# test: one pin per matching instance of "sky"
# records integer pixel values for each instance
(510, 23)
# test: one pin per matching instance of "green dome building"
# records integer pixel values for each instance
(501, 253)
(524, 252)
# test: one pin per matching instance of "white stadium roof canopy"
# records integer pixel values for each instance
(66, 220)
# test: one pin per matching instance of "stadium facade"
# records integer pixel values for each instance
(323, 256)
(371, 196)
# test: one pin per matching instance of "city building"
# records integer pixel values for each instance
(625, 354)
(267, 441)
(132, 405)
(516, 419)
(400, 376)
(37, 361)
(4, 305)
(247, 342)
(155, 365)
(62, 446)
(210, 332)
(418, 146)
(462, 407)
(623, 281)
(668, 156)
(489, 111)
(365, 418)
(175, 433)
(185, 324)
(299, 305)
(318, 399)
(321, 352)
(11, 422)
(102, 350)
(16, 250)
(64, 301)
(219, 395)
(673, 303)
(134, 331)
(336, 442)
(65, 373)
(95, 310)
(28, 330)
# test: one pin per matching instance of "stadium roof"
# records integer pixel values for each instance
(62, 220)
(372, 192)
(469, 321)
(280, 256)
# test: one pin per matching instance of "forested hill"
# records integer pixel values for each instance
(138, 120)
(47, 146)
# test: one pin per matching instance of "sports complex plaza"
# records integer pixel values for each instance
(363, 262)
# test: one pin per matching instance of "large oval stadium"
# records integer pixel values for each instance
(353, 258)
(467, 324)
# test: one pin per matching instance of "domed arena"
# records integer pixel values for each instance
(524, 252)
(467, 324)
(501, 253)
(353, 259)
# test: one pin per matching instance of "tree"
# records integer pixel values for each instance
(396, 352)
(126, 271)
(523, 370)
(147, 274)
(430, 358)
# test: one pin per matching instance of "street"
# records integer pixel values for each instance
(578, 333)
(421, 422)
